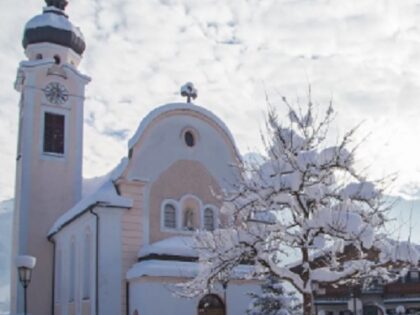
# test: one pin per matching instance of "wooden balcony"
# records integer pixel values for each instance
(399, 288)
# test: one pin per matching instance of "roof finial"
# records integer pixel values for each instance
(188, 90)
(59, 4)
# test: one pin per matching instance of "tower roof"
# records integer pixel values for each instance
(53, 26)
(59, 4)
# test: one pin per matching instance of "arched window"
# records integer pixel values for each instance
(169, 216)
(211, 304)
(209, 219)
(86, 266)
(72, 280)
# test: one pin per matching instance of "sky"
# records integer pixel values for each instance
(363, 55)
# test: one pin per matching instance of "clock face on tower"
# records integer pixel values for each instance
(56, 93)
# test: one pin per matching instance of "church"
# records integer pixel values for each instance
(116, 244)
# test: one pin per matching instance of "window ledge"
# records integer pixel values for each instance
(53, 156)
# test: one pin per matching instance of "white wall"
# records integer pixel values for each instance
(110, 271)
(110, 260)
(164, 144)
(75, 231)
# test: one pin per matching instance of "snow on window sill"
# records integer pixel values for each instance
(53, 156)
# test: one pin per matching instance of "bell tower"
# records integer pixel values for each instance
(50, 143)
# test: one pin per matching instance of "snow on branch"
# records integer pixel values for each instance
(305, 199)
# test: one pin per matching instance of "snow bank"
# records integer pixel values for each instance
(91, 185)
(105, 195)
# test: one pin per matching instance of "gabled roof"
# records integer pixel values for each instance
(101, 191)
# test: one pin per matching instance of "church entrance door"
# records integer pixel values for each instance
(211, 304)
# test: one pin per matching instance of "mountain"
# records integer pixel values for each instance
(6, 215)
(405, 214)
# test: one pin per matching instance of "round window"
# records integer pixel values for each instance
(189, 139)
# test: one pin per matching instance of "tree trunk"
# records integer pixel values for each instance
(308, 308)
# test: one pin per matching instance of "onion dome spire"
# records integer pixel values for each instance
(53, 26)
(59, 4)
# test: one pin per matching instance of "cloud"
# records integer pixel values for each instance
(365, 55)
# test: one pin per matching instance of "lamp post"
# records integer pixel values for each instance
(25, 264)
(225, 284)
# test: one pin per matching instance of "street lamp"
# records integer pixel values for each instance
(225, 284)
(25, 264)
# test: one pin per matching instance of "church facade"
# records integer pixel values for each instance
(119, 243)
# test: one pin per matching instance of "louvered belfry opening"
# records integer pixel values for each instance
(54, 133)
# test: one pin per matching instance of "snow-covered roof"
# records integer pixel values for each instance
(182, 246)
(178, 107)
(100, 191)
(49, 18)
(173, 246)
(391, 250)
(170, 268)
(91, 185)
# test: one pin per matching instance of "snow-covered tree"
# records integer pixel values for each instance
(274, 299)
(306, 200)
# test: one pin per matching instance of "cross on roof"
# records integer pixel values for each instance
(188, 90)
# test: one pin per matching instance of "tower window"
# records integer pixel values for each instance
(38, 56)
(53, 133)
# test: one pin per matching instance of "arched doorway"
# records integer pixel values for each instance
(211, 304)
